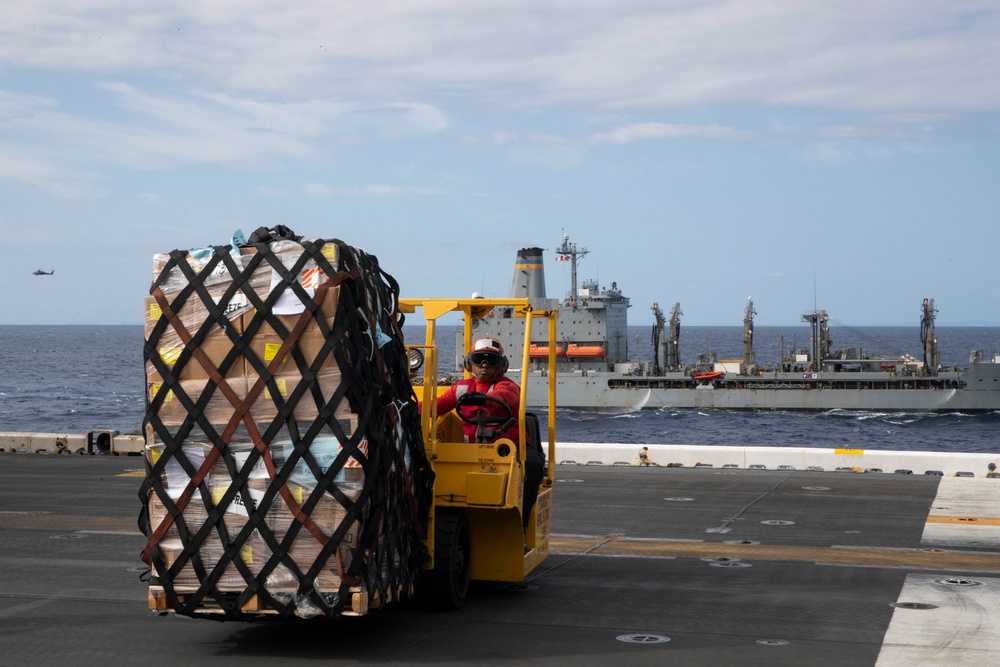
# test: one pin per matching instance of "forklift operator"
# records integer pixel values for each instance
(487, 366)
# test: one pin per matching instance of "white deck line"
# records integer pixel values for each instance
(798, 458)
(582, 453)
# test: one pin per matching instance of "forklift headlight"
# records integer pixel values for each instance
(416, 359)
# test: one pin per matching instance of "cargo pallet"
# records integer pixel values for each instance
(358, 605)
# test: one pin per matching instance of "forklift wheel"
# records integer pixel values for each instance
(450, 576)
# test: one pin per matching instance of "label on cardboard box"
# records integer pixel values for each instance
(170, 354)
(238, 304)
(282, 388)
(329, 250)
(238, 505)
(177, 477)
(324, 450)
(259, 468)
(166, 399)
(310, 277)
(271, 351)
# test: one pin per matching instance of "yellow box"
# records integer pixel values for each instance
(486, 488)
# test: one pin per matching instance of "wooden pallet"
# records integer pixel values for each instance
(357, 606)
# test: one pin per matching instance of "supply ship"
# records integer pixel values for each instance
(595, 371)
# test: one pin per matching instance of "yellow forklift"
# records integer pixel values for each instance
(477, 529)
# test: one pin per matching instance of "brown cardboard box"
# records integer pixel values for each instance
(267, 342)
(329, 513)
(217, 282)
(192, 315)
(305, 549)
(217, 345)
(170, 346)
(265, 409)
(264, 277)
(171, 550)
(219, 409)
(174, 478)
(194, 516)
(254, 553)
(325, 448)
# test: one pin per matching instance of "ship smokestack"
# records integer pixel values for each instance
(529, 275)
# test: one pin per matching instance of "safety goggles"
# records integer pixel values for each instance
(491, 359)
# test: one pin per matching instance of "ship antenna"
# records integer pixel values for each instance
(815, 302)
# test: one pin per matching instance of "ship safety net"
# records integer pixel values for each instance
(285, 472)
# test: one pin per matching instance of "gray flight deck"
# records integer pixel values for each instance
(649, 566)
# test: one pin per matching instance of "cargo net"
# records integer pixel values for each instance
(285, 469)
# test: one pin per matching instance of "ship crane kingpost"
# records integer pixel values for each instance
(674, 339)
(932, 357)
(659, 340)
(749, 367)
(666, 340)
(819, 338)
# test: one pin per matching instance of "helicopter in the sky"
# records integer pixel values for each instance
(42, 272)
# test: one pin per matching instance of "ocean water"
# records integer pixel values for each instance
(72, 379)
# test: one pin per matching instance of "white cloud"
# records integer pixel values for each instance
(264, 83)
(830, 154)
(623, 134)
(321, 191)
(890, 55)
(65, 148)
(317, 190)
(17, 162)
(632, 132)
(673, 115)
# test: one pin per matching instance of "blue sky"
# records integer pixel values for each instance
(844, 153)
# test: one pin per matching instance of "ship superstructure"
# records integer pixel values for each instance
(592, 326)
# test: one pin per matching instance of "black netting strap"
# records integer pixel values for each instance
(276, 233)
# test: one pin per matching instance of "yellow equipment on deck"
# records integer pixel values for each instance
(475, 529)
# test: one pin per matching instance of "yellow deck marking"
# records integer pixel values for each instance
(134, 473)
(965, 520)
(860, 557)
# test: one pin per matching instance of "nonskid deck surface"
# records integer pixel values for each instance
(649, 566)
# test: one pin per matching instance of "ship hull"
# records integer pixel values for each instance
(977, 390)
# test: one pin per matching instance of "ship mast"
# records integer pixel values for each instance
(570, 250)
(932, 357)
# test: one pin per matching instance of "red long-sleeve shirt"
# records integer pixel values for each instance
(502, 388)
